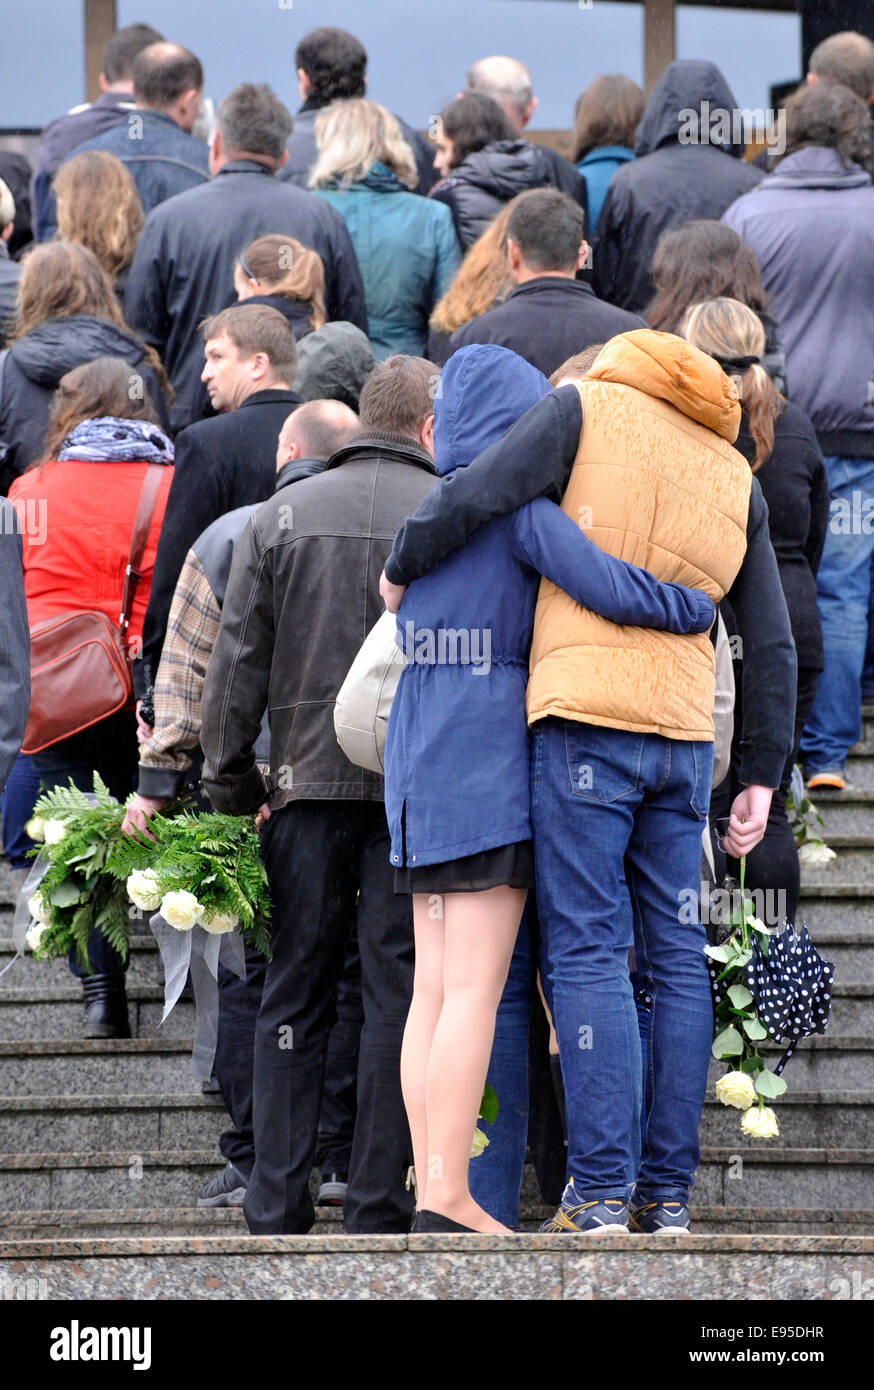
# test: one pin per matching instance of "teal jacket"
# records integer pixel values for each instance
(408, 253)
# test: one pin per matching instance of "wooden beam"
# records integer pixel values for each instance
(99, 20)
(659, 44)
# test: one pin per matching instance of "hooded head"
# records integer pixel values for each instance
(481, 392)
(672, 370)
(677, 104)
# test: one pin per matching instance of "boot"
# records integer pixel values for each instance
(105, 1007)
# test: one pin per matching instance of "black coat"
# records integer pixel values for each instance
(295, 614)
(547, 320)
(303, 152)
(794, 482)
(183, 267)
(478, 187)
(670, 182)
(222, 463)
(34, 365)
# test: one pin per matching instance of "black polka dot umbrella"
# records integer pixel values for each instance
(791, 987)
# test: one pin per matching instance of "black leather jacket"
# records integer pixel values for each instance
(302, 596)
(481, 184)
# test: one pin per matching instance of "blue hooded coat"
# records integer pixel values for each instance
(456, 757)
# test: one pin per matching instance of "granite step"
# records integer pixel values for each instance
(143, 967)
(849, 812)
(737, 1175)
(830, 906)
(109, 1223)
(852, 866)
(93, 1123)
(823, 1063)
(850, 950)
(57, 1012)
(78, 1066)
(524, 1266)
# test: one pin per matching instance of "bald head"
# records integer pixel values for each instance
(846, 58)
(168, 78)
(316, 431)
(508, 83)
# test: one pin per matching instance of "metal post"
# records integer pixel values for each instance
(658, 39)
(99, 20)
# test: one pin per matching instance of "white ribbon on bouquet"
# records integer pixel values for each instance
(200, 952)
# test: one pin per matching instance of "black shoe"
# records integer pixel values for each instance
(226, 1189)
(332, 1192)
(431, 1222)
(105, 1007)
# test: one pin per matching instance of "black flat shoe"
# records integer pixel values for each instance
(432, 1223)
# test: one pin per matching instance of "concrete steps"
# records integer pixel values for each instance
(105, 1145)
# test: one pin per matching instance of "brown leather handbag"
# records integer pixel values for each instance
(80, 666)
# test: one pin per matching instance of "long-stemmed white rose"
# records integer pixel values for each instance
(736, 1088)
(180, 909)
(760, 1122)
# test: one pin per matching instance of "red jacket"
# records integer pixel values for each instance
(77, 520)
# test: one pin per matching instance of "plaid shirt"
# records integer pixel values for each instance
(192, 630)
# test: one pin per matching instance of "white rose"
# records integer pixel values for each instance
(35, 829)
(480, 1143)
(54, 831)
(218, 922)
(180, 909)
(36, 909)
(33, 935)
(815, 852)
(761, 1123)
(142, 889)
(736, 1088)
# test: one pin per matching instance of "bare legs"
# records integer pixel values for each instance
(464, 943)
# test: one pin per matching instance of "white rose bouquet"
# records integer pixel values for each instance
(739, 1029)
(806, 823)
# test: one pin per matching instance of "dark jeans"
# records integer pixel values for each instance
(111, 749)
(18, 799)
(320, 856)
(340, 1095)
(773, 865)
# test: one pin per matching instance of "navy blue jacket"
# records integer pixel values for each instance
(456, 759)
(163, 159)
(183, 267)
(60, 137)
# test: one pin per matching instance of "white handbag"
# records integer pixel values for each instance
(364, 702)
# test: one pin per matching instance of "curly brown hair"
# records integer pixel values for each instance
(99, 207)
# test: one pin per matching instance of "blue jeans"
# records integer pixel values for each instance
(22, 790)
(611, 808)
(843, 587)
(495, 1176)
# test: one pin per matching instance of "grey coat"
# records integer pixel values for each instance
(14, 642)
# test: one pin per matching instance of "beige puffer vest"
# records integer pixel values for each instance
(655, 482)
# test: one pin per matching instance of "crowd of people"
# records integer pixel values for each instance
(584, 414)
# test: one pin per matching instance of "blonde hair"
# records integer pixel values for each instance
(99, 207)
(287, 268)
(482, 278)
(727, 329)
(354, 135)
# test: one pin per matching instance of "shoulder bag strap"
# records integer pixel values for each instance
(142, 525)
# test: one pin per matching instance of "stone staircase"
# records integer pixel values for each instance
(104, 1146)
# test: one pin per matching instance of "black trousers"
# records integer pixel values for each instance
(773, 864)
(239, 1002)
(320, 856)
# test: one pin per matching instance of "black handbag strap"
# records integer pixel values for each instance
(142, 526)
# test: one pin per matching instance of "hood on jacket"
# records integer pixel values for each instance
(381, 179)
(504, 168)
(482, 391)
(55, 347)
(672, 370)
(333, 364)
(683, 87)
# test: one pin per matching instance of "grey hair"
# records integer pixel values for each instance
(253, 119)
(516, 88)
(7, 205)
